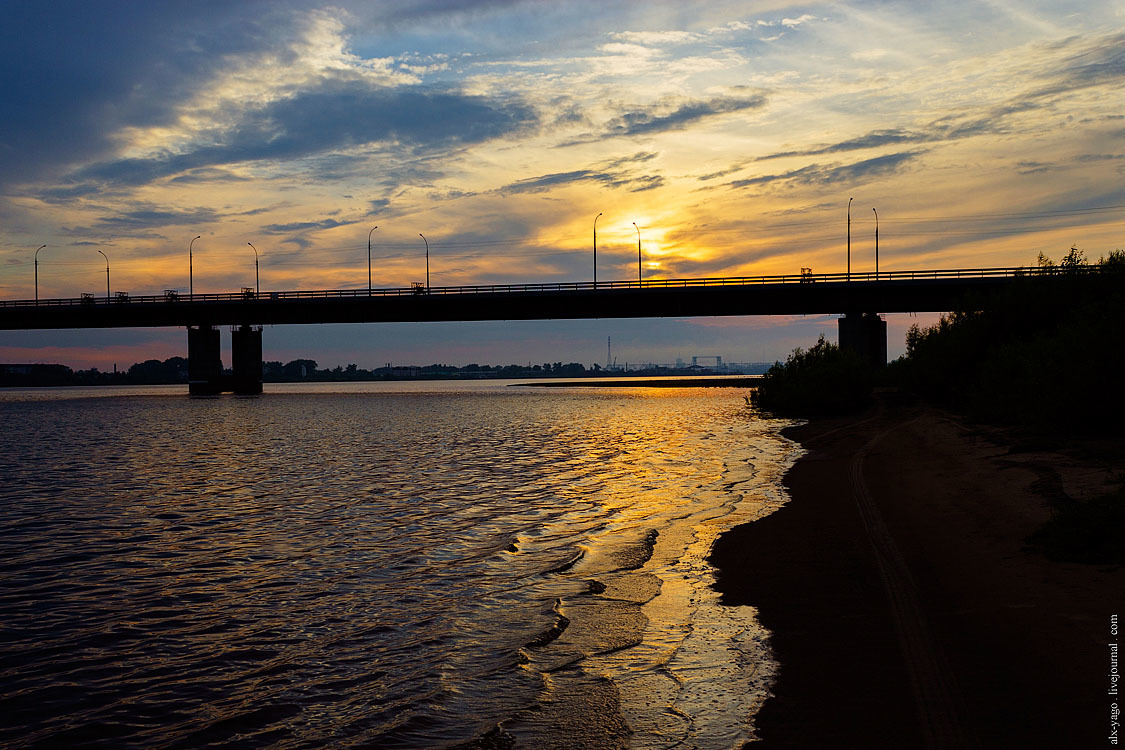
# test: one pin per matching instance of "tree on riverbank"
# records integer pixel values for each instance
(1049, 355)
(825, 380)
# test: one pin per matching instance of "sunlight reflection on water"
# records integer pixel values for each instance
(402, 567)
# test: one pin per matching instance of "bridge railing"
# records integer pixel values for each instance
(171, 297)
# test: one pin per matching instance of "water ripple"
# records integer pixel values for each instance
(374, 568)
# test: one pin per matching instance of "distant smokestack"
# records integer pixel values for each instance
(608, 353)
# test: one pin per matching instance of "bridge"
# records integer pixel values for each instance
(859, 296)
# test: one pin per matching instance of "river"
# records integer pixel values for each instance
(393, 565)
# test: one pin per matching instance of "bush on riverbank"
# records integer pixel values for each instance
(1049, 354)
(823, 381)
(1091, 532)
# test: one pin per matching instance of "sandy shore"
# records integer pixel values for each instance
(906, 610)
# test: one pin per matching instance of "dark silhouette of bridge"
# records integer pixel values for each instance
(858, 296)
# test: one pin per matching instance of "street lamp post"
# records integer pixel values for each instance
(107, 299)
(190, 279)
(257, 284)
(596, 249)
(638, 252)
(369, 260)
(427, 260)
(876, 244)
(850, 239)
(37, 273)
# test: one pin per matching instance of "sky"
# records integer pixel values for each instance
(732, 134)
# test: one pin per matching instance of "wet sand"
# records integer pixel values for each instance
(905, 608)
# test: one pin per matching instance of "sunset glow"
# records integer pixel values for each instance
(733, 134)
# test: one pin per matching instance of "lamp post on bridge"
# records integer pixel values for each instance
(369, 260)
(850, 238)
(257, 284)
(876, 244)
(427, 260)
(37, 272)
(638, 252)
(190, 279)
(596, 249)
(107, 298)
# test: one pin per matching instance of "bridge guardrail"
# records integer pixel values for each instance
(172, 297)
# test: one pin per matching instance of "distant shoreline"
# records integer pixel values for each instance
(175, 371)
(694, 381)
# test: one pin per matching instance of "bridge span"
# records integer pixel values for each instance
(859, 296)
(892, 291)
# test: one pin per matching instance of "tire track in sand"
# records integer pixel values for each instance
(932, 681)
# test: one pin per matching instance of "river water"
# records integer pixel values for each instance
(417, 565)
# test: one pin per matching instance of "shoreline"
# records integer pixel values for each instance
(904, 607)
(644, 381)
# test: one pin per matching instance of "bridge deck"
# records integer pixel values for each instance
(892, 291)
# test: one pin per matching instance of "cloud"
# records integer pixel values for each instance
(181, 89)
(153, 217)
(1100, 62)
(671, 114)
(208, 175)
(143, 222)
(77, 73)
(66, 195)
(819, 174)
(607, 179)
(1093, 63)
(1087, 158)
(1033, 167)
(947, 129)
(658, 38)
(659, 118)
(339, 113)
(793, 23)
(613, 174)
(304, 226)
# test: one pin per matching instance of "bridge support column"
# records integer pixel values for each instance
(205, 366)
(866, 335)
(246, 360)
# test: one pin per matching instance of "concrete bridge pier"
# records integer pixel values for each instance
(246, 360)
(205, 365)
(866, 335)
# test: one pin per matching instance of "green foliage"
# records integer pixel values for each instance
(172, 370)
(1086, 532)
(1075, 259)
(824, 380)
(1049, 353)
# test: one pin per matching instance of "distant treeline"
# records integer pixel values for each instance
(306, 370)
(1048, 353)
(151, 372)
(175, 370)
